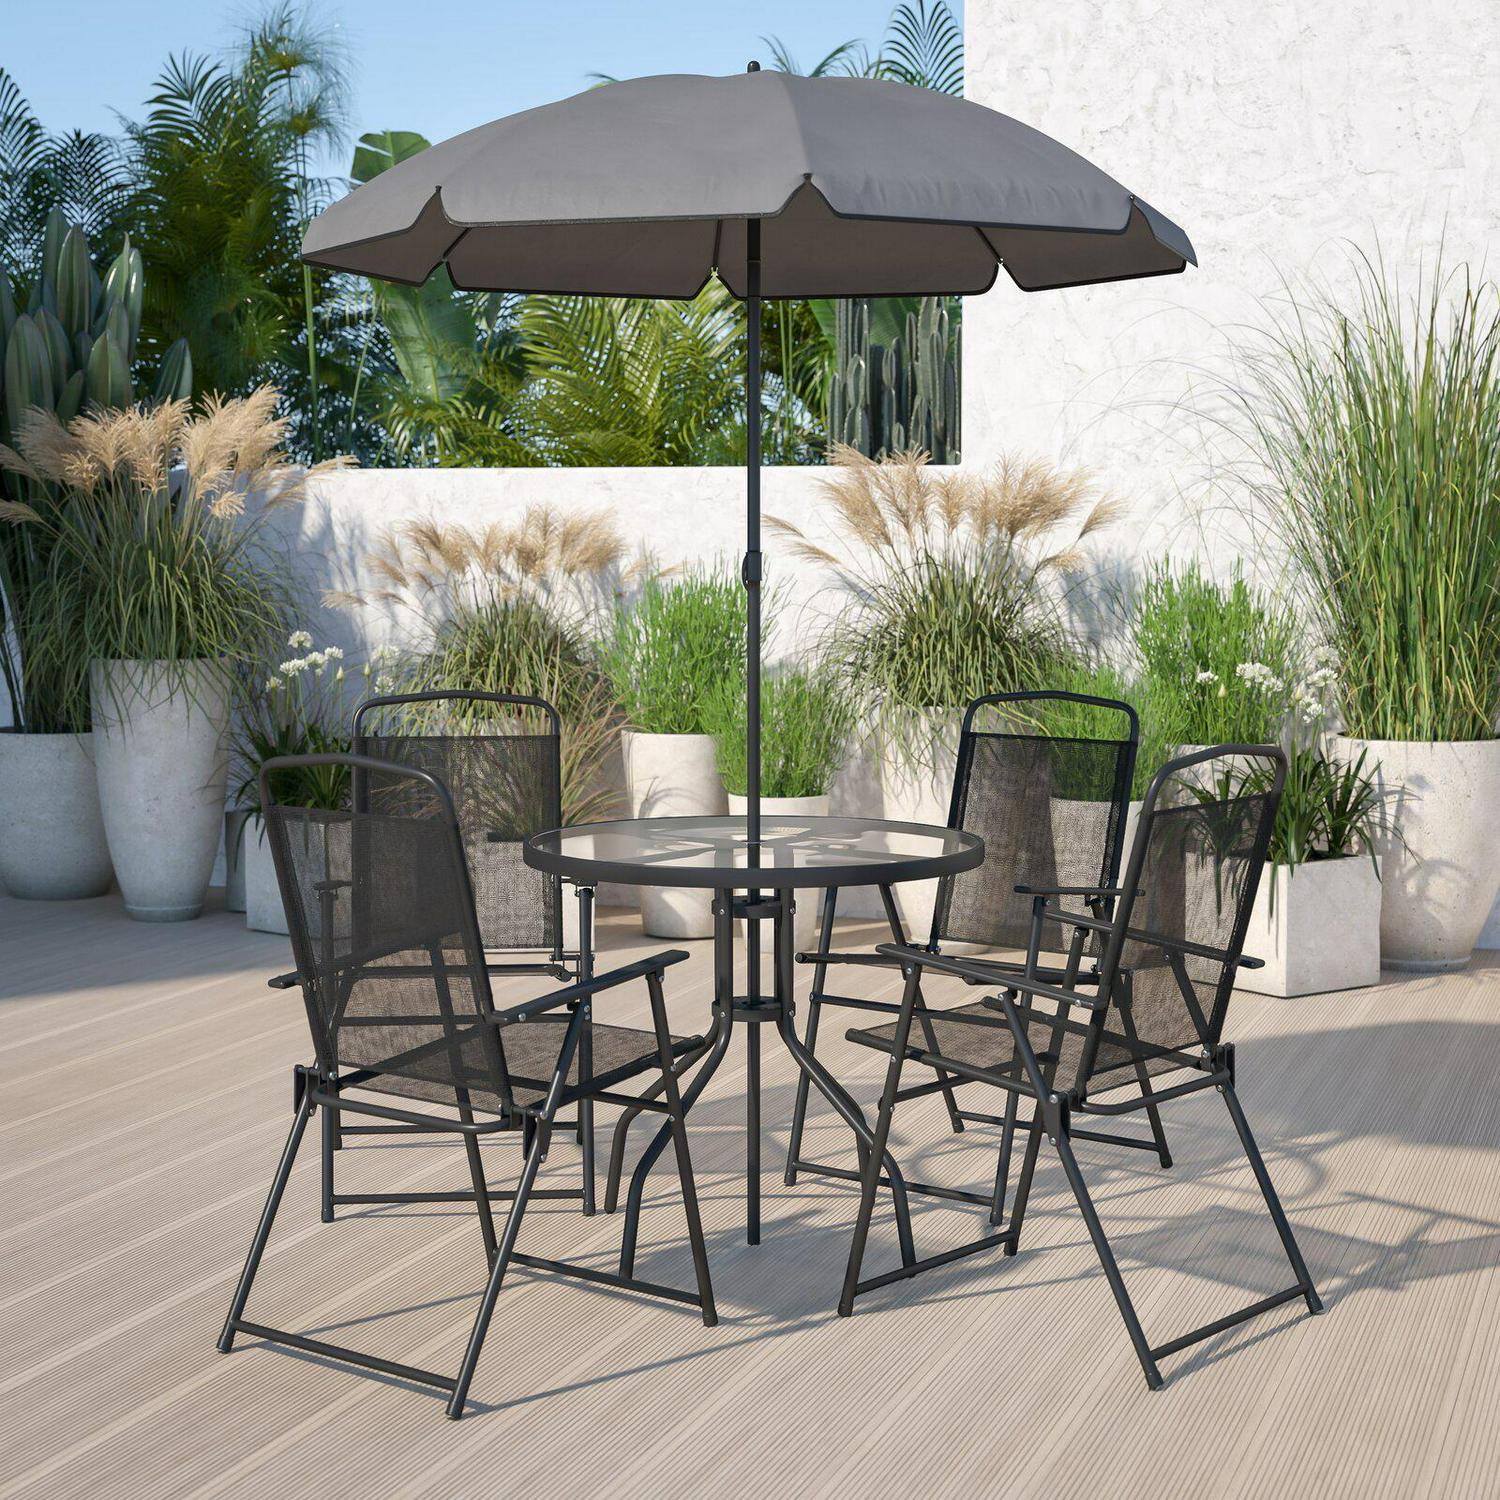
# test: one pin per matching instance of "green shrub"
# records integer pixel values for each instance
(668, 655)
(804, 731)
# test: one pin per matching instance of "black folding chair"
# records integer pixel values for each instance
(1051, 811)
(1156, 1007)
(390, 961)
(499, 755)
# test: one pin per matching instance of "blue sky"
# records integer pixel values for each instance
(437, 68)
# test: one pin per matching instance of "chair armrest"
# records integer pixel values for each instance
(285, 981)
(967, 969)
(585, 988)
(1068, 890)
(861, 960)
(1152, 939)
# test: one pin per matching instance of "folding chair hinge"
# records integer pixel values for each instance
(1223, 1060)
(1056, 1116)
(302, 1076)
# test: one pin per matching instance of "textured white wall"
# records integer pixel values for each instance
(677, 515)
(1274, 133)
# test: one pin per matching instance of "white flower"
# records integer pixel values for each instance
(299, 640)
(333, 653)
(1257, 674)
(1205, 678)
(385, 684)
(274, 684)
(1322, 678)
(294, 665)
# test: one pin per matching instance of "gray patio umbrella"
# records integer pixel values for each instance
(785, 187)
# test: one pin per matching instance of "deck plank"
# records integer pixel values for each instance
(145, 1078)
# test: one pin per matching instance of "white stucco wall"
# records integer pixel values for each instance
(1274, 133)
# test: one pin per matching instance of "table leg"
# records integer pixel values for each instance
(717, 1043)
(830, 1088)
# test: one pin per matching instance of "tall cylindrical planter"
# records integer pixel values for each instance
(808, 902)
(52, 845)
(235, 836)
(1440, 855)
(916, 786)
(263, 909)
(161, 736)
(673, 776)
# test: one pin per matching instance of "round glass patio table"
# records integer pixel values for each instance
(757, 883)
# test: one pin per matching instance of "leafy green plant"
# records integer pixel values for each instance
(668, 654)
(153, 555)
(1215, 659)
(949, 582)
(1374, 437)
(804, 731)
(75, 344)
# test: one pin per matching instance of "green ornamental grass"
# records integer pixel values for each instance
(671, 652)
(1375, 436)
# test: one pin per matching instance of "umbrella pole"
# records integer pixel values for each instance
(751, 571)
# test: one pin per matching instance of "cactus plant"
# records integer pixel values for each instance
(67, 342)
(886, 398)
(75, 342)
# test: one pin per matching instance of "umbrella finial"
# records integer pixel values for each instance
(754, 66)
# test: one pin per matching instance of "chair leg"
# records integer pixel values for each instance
(1023, 1183)
(810, 1040)
(476, 1175)
(898, 934)
(1273, 1202)
(678, 1118)
(513, 1222)
(1107, 1260)
(1002, 1168)
(328, 1131)
(876, 1156)
(267, 1218)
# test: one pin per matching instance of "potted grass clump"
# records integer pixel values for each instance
(510, 608)
(804, 731)
(159, 588)
(950, 586)
(668, 657)
(1316, 919)
(1375, 453)
(68, 339)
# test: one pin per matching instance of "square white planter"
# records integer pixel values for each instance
(1325, 934)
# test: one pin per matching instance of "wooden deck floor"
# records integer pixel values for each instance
(145, 1079)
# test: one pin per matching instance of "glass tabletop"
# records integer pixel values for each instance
(793, 852)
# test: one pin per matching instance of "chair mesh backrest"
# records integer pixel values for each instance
(377, 910)
(503, 775)
(1205, 841)
(1049, 810)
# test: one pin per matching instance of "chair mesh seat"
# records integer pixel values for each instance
(531, 1051)
(990, 1047)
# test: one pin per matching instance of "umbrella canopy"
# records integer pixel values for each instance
(644, 188)
(783, 187)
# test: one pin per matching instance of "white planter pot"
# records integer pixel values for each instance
(52, 845)
(673, 776)
(1324, 933)
(264, 911)
(235, 835)
(916, 786)
(163, 764)
(1440, 876)
(808, 902)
